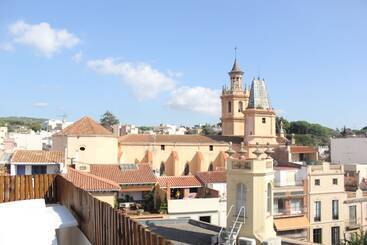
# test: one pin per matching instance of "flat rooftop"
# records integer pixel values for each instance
(182, 230)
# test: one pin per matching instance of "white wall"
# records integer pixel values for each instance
(348, 150)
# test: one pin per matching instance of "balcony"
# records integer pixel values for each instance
(353, 224)
(289, 212)
(98, 221)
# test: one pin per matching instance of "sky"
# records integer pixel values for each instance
(152, 62)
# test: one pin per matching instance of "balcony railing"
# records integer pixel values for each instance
(353, 224)
(289, 212)
(99, 222)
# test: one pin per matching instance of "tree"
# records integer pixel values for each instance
(108, 120)
(358, 238)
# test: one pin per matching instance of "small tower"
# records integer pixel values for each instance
(250, 199)
(260, 118)
(234, 102)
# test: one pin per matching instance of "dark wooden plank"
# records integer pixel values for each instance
(17, 188)
(22, 187)
(153, 238)
(12, 189)
(36, 186)
(42, 186)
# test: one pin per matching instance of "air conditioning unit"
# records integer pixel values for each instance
(273, 241)
(246, 241)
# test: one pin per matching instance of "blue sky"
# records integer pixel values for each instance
(153, 62)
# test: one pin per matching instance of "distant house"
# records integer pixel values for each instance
(25, 162)
(134, 179)
(186, 197)
(101, 188)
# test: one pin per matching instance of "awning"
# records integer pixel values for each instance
(136, 188)
(291, 223)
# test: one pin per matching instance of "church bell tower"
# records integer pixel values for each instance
(234, 102)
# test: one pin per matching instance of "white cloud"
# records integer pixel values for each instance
(144, 80)
(196, 99)
(6, 46)
(77, 57)
(42, 37)
(40, 104)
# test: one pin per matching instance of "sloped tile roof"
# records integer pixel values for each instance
(212, 177)
(302, 149)
(86, 126)
(143, 174)
(90, 182)
(179, 181)
(160, 138)
(29, 156)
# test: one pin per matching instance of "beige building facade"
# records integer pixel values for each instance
(174, 155)
(86, 142)
(326, 198)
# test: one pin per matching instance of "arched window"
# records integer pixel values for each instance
(229, 106)
(240, 106)
(269, 198)
(162, 169)
(241, 193)
(211, 167)
(187, 169)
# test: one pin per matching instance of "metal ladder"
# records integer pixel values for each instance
(229, 236)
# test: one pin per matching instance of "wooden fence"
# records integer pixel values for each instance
(101, 223)
(15, 188)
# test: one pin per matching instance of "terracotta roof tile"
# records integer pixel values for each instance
(302, 149)
(179, 181)
(28, 156)
(159, 138)
(143, 174)
(86, 126)
(212, 177)
(90, 182)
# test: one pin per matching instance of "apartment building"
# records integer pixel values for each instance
(326, 196)
(290, 202)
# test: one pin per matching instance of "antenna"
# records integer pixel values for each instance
(63, 116)
(235, 52)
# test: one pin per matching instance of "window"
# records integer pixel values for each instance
(317, 181)
(240, 106)
(163, 147)
(193, 190)
(162, 169)
(269, 199)
(352, 214)
(296, 206)
(241, 198)
(335, 235)
(211, 147)
(211, 167)
(335, 209)
(229, 106)
(317, 216)
(21, 170)
(264, 120)
(205, 219)
(187, 169)
(39, 169)
(335, 181)
(317, 235)
(82, 148)
(279, 206)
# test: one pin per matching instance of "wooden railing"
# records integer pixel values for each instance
(100, 223)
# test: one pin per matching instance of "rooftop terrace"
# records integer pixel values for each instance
(98, 221)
